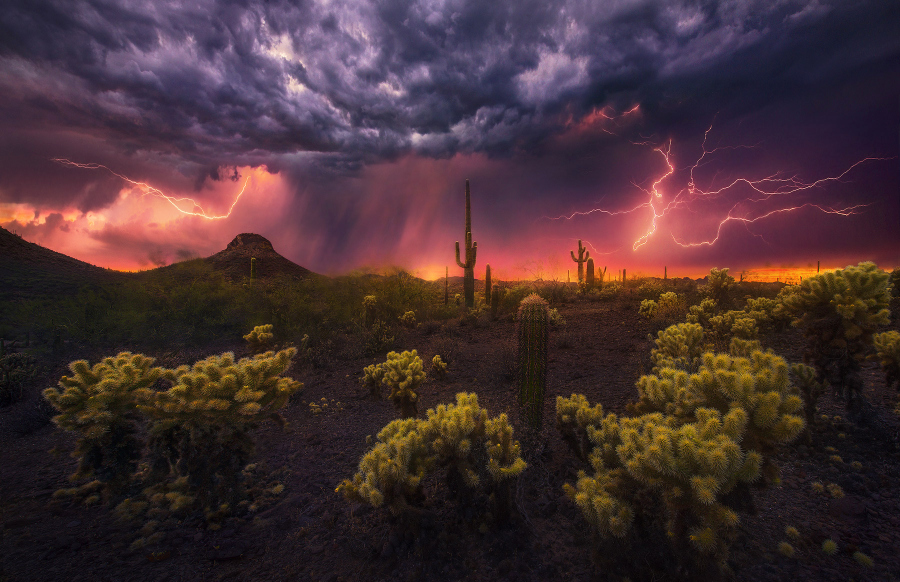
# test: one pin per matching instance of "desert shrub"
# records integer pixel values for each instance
(609, 291)
(887, 346)
(839, 312)
(16, 372)
(458, 436)
(650, 289)
(377, 338)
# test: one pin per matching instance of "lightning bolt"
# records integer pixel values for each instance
(764, 189)
(148, 189)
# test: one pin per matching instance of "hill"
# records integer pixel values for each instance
(28, 270)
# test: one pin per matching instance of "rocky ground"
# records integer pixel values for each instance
(311, 533)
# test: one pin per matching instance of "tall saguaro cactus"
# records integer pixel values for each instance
(471, 249)
(252, 270)
(583, 255)
(487, 284)
(533, 332)
(589, 278)
(446, 285)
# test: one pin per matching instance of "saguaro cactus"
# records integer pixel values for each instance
(589, 278)
(533, 332)
(583, 255)
(446, 285)
(252, 270)
(469, 265)
(487, 284)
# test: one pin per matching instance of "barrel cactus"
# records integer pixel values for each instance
(533, 336)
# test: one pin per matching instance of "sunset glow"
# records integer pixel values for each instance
(344, 135)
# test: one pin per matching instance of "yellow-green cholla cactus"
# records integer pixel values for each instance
(887, 346)
(402, 374)
(99, 403)
(260, 338)
(839, 313)
(453, 436)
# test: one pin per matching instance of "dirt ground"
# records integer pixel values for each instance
(310, 532)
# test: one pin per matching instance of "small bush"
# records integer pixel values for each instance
(16, 372)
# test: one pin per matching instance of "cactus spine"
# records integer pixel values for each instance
(583, 255)
(487, 284)
(589, 278)
(469, 265)
(533, 332)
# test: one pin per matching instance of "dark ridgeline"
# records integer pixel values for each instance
(28, 270)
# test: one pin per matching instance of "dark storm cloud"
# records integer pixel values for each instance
(249, 83)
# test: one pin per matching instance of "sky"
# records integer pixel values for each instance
(676, 135)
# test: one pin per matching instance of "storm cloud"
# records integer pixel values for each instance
(321, 91)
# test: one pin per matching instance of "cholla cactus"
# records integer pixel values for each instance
(811, 389)
(260, 338)
(391, 472)
(887, 346)
(702, 313)
(556, 320)
(201, 424)
(451, 430)
(583, 256)
(573, 416)
(718, 283)
(755, 392)
(408, 319)
(402, 374)
(839, 313)
(533, 334)
(438, 366)
(454, 435)
(733, 323)
(649, 308)
(689, 466)
(369, 302)
(768, 313)
(99, 403)
(678, 346)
